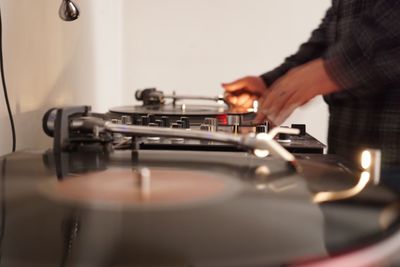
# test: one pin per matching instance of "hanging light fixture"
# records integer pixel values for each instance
(68, 11)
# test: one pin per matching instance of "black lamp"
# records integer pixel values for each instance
(69, 11)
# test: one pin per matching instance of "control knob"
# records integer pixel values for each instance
(145, 120)
(186, 122)
(175, 126)
(205, 127)
(165, 121)
(261, 128)
(159, 123)
(126, 120)
(152, 118)
(180, 123)
(213, 122)
(283, 137)
(301, 127)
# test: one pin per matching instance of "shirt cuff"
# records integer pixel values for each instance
(269, 78)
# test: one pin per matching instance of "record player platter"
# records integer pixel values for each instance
(153, 102)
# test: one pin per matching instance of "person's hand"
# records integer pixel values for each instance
(293, 90)
(241, 93)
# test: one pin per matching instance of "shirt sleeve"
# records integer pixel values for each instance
(314, 48)
(368, 59)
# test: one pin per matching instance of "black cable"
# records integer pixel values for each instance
(3, 205)
(3, 79)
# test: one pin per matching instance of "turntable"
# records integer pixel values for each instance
(214, 116)
(91, 201)
(154, 102)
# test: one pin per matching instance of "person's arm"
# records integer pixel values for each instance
(314, 48)
(368, 59)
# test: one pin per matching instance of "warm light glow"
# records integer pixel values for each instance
(366, 159)
(338, 195)
(263, 171)
(220, 100)
(261, 186)
(261, 153)
(144, 183)
(255, 106)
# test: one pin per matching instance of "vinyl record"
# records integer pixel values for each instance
(179, 110)
(213, 209)
(127, 188)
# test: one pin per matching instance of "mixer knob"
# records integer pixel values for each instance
(175, 126)
(165, 121)
(186, 122)
(213, 122)
(261, 128)
(136, 119)
(152, 118)
(233, 119)
(153, 138)
(126, 120)
(205, 127)
(282, 137)
(145, 120)
(159, 123)
(301, 127)
(235, 129)
(177, 139)
(180, 123)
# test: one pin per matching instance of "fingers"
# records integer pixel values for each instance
(296, 100)
(251, 84)
(263, 98)
(277, 106)
(231, 99)
(231, 90)
(242, 93)
(292, 90)
(275, 103)
(278, 115)
(244, 100)
(274, 106)
(281, 92)
(278, 112)
(261, 117)
(277, 119)
(235, 86)
(284, 114)
(240, 100)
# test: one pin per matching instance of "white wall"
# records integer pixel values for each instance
(50, 63)
(117, 46)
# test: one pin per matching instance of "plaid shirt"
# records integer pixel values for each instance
(360, 42)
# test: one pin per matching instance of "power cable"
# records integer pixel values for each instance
(3, 79)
